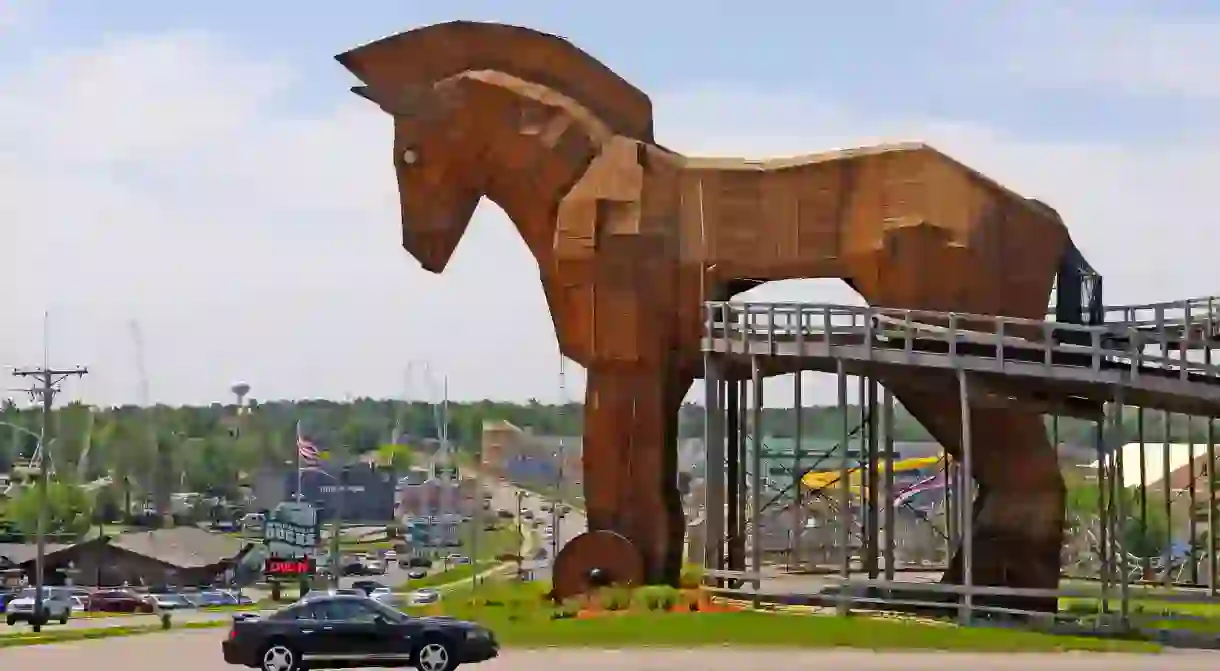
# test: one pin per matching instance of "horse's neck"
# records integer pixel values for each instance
(533, 218)
(531, 200)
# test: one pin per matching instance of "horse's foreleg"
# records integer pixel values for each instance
(630, 463)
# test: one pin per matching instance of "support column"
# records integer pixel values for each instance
(872, 480)
(844, 515)
(733, 503)
(1103, 513)
(1146, 560)
(967, 499)
(798, 472)
(1167, 498)
(713, 485)
(1114, 440)
(756, 477)
(888, 424)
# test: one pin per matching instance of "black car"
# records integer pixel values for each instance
(351, 631)
(419, 562)
(366, 586)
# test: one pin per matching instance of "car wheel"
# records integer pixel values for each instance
(11, 621)
(435, 654)
(279, 657)
(63, 619)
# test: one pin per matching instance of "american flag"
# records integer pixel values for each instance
(307, 452)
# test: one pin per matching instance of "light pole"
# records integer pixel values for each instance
(336, 567)
(520, 494)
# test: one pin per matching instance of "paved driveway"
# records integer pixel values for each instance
(200, 651)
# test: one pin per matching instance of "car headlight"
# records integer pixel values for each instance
(478, 634)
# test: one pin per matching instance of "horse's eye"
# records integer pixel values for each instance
(409, 156)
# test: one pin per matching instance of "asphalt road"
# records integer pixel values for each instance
(199, 650)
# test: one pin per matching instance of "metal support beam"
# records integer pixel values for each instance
(756, 476)
(967, 499)
(714, 444)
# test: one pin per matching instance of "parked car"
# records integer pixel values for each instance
(117, 601)
(7, 595)
(417, 573)
(374, 567)
(370, 634)
(214, 598)
(420, 562)
(457, 559)
(423, 597)
(78, 604)
(367, 586)
(169, 601)
(56, 605)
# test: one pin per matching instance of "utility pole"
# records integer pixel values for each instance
(46, 385)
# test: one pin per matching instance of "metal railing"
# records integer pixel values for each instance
(742, 327)
(1199, 317)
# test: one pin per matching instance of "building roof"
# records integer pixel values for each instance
(182, 547)
(18, 553)
(1178, 456)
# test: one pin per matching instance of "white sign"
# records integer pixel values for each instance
(331, 489)
(291, 531)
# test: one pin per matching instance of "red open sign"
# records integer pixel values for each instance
(281, 567)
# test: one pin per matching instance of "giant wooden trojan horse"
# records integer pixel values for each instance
(630, 238)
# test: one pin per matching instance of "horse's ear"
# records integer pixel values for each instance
(426, 55)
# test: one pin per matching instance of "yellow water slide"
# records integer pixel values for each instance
(823, 479)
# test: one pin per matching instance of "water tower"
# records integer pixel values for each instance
(240, 389)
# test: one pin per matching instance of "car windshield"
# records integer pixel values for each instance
(31, 592)
(390, 614)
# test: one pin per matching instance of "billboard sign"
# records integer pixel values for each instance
(291, 531)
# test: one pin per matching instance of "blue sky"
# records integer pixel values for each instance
(206, 173)
(930, 58)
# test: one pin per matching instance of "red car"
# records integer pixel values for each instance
(117, 601)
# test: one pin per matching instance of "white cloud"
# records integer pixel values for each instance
(173, 188)
(1114, 46)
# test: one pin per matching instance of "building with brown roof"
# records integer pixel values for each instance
(182, 556)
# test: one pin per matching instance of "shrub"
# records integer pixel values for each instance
(691, 576)
(566, 610)
(659, 597)
(615, 598)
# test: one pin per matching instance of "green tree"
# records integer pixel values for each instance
(1145, 537)
(397, 456)
(69, 510)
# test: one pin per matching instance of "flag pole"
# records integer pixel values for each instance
(298, 453)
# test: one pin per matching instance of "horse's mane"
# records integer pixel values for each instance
(597, 130)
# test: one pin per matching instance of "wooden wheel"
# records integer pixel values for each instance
(595, 559)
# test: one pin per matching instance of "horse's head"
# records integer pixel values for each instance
(445, 123)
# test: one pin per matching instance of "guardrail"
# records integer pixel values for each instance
(920, 332)
(1123, 605)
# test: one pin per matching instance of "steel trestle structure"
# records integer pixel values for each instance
(1138, 359)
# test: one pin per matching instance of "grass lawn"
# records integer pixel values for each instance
(460, 572)
(503, 540)
(1148, 611)
(520, 616)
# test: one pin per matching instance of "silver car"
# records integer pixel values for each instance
(56, 605)
(423, 597)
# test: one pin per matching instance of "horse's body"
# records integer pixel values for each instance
(631, 238)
